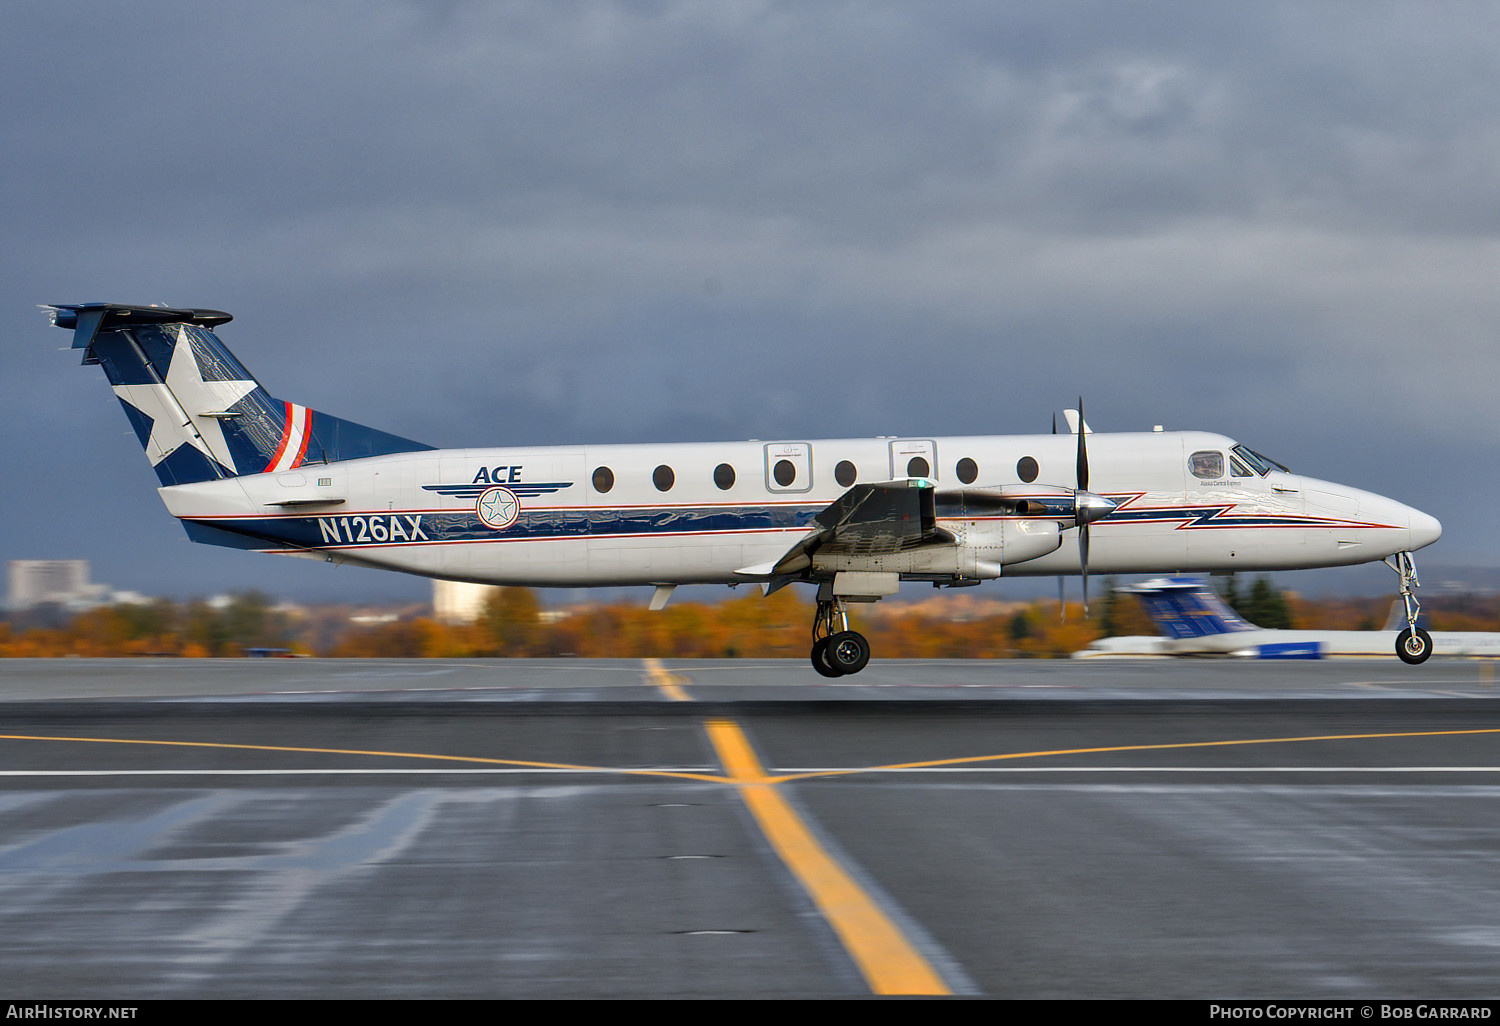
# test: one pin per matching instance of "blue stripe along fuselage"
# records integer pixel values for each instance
(343, 529)
(380, 528)
(1219, 516)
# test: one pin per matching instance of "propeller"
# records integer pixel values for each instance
(1087, 507)
(1080, 508)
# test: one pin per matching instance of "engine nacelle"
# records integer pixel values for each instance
(984, 549)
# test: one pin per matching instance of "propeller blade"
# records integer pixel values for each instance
(1054, 422)
(1083, 452)
(1083, 562)
(1062, 605)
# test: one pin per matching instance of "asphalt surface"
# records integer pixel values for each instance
(532, 828)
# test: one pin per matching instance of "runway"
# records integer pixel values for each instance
(569, 828)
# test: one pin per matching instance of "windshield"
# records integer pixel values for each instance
(1262, 465)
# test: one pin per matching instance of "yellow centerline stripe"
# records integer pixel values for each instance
(711, 778)
(669, 683)
(890, 964)
(1122, 748)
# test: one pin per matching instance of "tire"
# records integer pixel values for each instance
(1414, 648)
(820, 659)
(848, 652)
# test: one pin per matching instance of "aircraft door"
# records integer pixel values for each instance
(789, 467)
(914, 458)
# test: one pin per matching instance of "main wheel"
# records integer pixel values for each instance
(1413, 647)
(820, 659)
(848, 652)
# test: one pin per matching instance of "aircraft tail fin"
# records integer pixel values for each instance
(1186, 607)
(199, 414)
(1395, 620)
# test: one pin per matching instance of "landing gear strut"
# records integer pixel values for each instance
(1413, 645)
(837, 651)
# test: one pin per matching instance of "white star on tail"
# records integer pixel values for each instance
(177, 409)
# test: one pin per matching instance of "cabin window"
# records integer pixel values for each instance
(788, 467)
(1026, 469)
(724, 476)
(663, 478)
(845, 473)
(604, 479)
(1207, 464)
(967, 470)
(918, 467)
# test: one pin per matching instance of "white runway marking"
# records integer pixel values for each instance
(842, 770)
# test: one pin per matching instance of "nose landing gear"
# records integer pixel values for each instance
(1413, 645)
(837, 651)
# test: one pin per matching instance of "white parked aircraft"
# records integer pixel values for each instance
(854, 517)
(1194, 621)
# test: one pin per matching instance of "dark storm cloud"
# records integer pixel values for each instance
(481, 222)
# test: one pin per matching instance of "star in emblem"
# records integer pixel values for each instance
(177, 408)
(498, 507)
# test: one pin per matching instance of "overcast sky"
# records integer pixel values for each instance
(482, 223)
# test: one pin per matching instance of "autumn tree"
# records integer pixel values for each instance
(511, 623)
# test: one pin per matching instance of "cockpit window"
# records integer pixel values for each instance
(1262, 465)
(1237, 466)
(1207, 464)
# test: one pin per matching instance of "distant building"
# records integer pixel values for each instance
(458, 602)
(64, 581)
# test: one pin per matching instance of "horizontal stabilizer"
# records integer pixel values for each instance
(88, 319)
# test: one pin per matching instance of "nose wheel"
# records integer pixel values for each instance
(837, 651)
(1413, 645)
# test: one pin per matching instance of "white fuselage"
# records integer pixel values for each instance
(561, 521)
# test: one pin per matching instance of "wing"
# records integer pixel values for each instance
(868, 519)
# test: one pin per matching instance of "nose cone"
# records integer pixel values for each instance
(1424, 529)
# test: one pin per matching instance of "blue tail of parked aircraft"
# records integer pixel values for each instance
(199, 414)
(1185, 607)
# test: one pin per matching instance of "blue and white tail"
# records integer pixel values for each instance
(199, 414)
(1185, 607)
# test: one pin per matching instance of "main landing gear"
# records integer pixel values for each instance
(837, 651)
(1413, 645)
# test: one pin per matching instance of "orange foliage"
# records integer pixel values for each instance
(748, 625)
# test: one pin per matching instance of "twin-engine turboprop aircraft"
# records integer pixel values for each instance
(854, 517)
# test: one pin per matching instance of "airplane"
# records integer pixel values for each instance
(852, 517)
(1193, 620)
